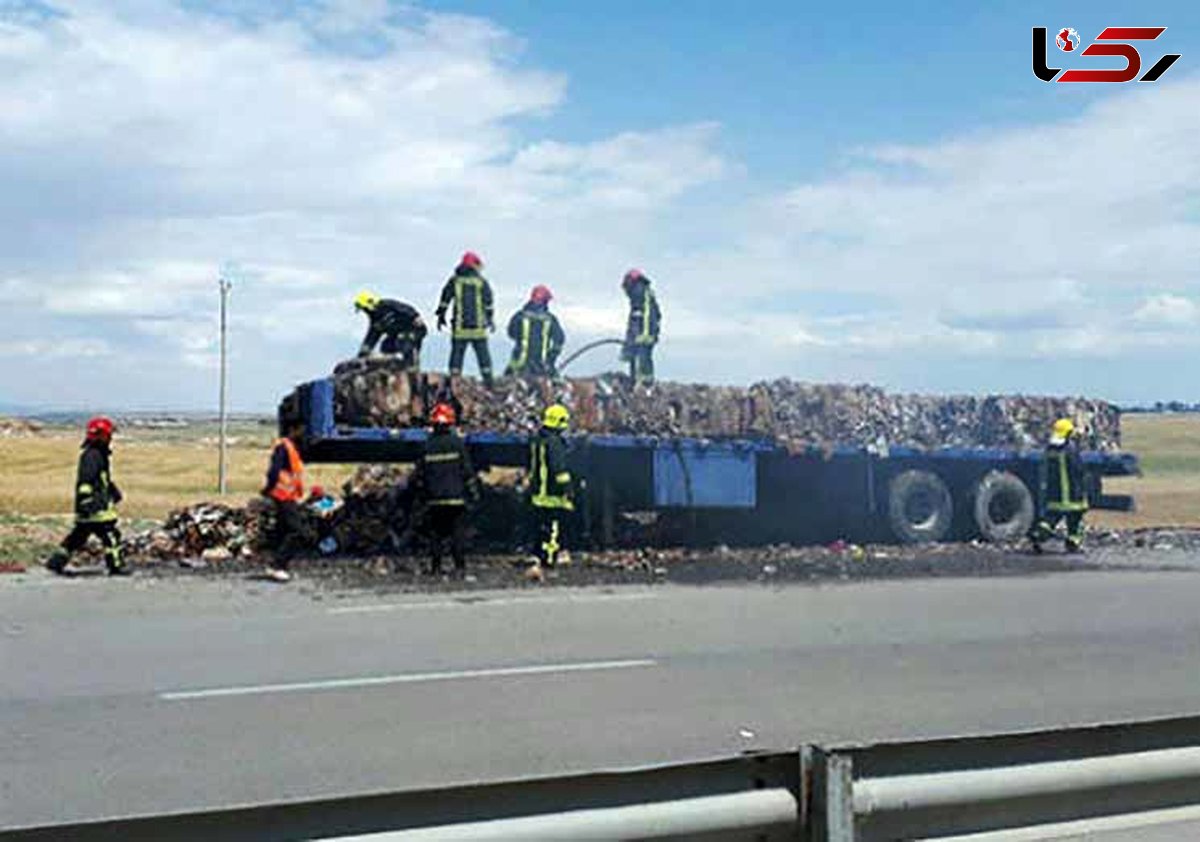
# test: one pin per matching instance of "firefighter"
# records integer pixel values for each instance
(550, 483)
(445, 482)
(471, 296)
(1062, 493)
(641, 333)
(398, 324)
(96, 499)
(538, 336)
(284, 491)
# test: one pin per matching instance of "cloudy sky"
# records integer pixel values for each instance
(849, 191)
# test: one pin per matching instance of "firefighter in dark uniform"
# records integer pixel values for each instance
(550, 484)
(445, 482)
(398, 324)
(284, 489)
(641, 333)
(1062, 493)
(538, 336)
(471, 295)
(96, 499)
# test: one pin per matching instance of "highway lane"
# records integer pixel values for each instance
(147, 695)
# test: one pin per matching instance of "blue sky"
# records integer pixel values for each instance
(855, 191)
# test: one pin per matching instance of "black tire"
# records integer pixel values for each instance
(1004, 507)
(920, 509)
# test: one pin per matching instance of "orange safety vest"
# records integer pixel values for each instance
(290, 485)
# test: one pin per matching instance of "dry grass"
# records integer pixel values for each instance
(155, 476)
(1169, 492)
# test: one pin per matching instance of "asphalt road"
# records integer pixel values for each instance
(124, 697)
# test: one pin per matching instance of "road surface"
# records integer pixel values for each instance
(125, 697)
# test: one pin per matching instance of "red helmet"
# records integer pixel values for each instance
(632, 276)
(317, 491)
(442, 415)
(470, 259)
(540, 294)
(100, 429)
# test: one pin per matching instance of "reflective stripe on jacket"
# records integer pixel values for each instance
(539, 339)
(94, 489)
(471, 296)
(1064, 480)
(644, 315)
(549, 476)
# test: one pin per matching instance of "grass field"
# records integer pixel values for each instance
(1168, 493)
(163, 470)
(157, 470)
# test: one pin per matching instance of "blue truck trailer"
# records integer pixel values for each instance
(750, 491)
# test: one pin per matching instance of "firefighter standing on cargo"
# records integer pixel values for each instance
(96, 499)
(284, 490)
(550, 483)
(641, 333)
(471, 296)
(398, 324)
(538, 336)
(445, 482)
(1062, 493)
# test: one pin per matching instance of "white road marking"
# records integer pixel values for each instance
(468, 602)
(405, 678)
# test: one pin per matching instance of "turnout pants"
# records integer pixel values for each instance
(406, 349)
(641, 363)
(1043, 530)
(291, 534)
(550, 539)
(458, 351)
(108, 534)
(447, 524)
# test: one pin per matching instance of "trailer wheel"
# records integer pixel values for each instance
(920, 509)
(1003, 507)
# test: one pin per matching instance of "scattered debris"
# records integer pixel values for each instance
(19, 427)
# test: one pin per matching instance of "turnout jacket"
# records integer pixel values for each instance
(444, 475)
(645, 316)
(471, 295)
(539, 338)
(393, 318)
(1062, 480)
(549, 475)
(96, 495)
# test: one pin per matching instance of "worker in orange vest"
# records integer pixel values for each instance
(285, 492)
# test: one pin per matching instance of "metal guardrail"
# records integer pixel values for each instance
(940, 788)
(1123, 775)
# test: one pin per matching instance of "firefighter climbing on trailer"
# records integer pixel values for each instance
(538, 336)
(1062, 493)
(399, 325)
(550, 484)
(471, 296)
(641, 332)
(96, 499)
(445, 482)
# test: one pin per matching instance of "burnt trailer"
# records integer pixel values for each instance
(684, 490)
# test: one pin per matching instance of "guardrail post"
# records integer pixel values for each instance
(831, 818)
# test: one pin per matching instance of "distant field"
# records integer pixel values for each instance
(1169, 492)
(160, 470)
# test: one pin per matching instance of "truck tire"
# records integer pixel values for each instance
(920, 509)
(1003, 507)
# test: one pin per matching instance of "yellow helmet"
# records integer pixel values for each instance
(366, 300)
(1063, 429)
(556, 417)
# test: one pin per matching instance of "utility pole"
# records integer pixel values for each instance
(225, 286)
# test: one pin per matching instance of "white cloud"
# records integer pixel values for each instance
(1166, 310)
(366, 144)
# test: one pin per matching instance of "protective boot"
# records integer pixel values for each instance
(57, 562)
